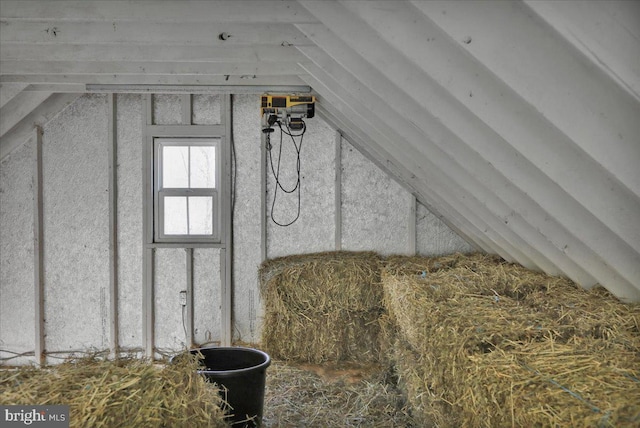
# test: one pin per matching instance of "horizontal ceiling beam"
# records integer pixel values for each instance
(229, 11)
(149, 53)
(143, 79)
(25, 68)
(199, 89)
(141, 33)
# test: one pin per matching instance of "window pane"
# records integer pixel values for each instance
(200, 215)
(175, 215)
(203, 167)
(175, 167)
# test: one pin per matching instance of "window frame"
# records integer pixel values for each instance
(159, 194)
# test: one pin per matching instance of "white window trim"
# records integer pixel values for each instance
(159, 194)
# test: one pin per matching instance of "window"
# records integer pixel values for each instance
(186, 197)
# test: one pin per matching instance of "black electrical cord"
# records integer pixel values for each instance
(276, 171)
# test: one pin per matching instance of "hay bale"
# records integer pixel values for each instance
(321, 337)
(543, 383)
(455, 313)
(125, 391)
(428, 405)
(322, 307)
(554, 305)
(323, 281)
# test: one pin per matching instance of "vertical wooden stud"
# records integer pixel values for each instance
(226, 253)
(338, 192)
(185, 101)
(112, 148)
(411, 250)
(189, 320)
(147, 235)
(38, 249)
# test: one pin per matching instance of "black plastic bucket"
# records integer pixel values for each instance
(242, 371)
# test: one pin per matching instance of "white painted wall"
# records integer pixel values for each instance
(375, 213)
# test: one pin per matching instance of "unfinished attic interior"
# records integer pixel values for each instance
(399, 213)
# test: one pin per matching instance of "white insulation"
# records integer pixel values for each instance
(17, 307)
(76, 262)
(373, 211)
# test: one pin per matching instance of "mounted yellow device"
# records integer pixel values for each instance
(288, 109)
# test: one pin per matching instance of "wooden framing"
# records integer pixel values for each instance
(112, 148)
(185, 129)
(189, 305)
(147, 235)
(38, 248)
(226, 253)
(338, 192)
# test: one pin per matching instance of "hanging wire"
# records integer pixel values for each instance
(276, 171)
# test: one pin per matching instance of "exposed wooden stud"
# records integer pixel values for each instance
(226, 337)
(148, 305)
(263, 197)
(148, 311)
(112, 149)
(411, 241)
(185, 101)
(226, 253)
(38, 248)
(189, 321)
(338, 191)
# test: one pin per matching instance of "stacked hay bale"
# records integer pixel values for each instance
(479, 342)
(124, 392)
(322, 307)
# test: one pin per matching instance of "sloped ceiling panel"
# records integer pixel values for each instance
(501, 116)
(515, 122)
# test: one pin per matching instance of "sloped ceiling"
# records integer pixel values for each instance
(516, 122)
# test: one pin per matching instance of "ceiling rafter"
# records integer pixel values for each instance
(517, 54)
